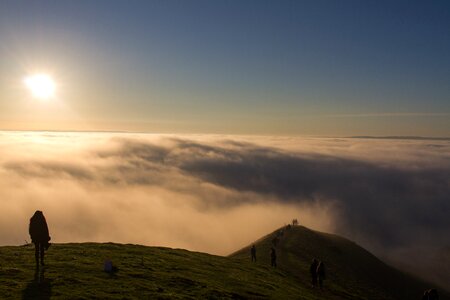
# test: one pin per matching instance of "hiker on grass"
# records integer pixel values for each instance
(320, 273)
(253, 252)
(39, 236)
(273, 257)
(313, 271)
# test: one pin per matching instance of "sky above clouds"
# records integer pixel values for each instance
(254, 67)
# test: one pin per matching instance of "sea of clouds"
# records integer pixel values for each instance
(217, 193)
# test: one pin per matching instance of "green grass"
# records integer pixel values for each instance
(75, 271)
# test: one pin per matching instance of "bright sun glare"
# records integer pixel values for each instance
(41, 86)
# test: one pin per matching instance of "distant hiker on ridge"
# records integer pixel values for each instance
(313, 271)
(253, 252)
(320, 273)
(273, 257)
(39, 236)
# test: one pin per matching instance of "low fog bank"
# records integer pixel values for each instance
(219, 193)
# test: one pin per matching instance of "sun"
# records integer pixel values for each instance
(42, 86)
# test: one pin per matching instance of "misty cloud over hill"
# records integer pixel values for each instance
(197, 191)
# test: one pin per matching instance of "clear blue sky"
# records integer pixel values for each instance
(264, 67)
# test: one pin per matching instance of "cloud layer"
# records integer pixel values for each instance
(217, 193)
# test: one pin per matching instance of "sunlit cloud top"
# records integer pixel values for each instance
(219, 193)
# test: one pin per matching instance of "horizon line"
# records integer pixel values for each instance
(388, 114)
(399, 137)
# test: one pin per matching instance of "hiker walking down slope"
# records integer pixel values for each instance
(320, 273)
(313, 271)
(253, 252)
(38, 230)
(273, 257)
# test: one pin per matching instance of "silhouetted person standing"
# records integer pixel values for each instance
(253, 252)
(313, 271)
(273, 257)
(39, 235)
(320, 273)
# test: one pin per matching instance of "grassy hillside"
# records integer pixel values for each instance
(352, 272)
(75, 271)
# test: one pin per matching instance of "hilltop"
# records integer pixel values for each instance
(76, 271)
(352, 271)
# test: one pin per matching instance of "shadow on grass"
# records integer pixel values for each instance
(39, 287)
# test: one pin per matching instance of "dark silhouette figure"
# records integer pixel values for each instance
(39, 236)
(320, 271)
(313, 271)
(253, 252)
(273, 257)
(430, 294)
